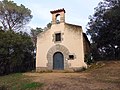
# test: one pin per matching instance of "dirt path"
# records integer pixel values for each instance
(106, 77)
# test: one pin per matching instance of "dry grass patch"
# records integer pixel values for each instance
(102, 75)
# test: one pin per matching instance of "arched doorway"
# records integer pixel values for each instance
(53, 50)
(58, 61)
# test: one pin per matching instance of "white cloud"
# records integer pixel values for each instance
(40, 12)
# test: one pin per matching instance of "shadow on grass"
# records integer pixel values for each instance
(3, 87)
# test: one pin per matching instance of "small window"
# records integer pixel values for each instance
(58, 37)
(71, 57)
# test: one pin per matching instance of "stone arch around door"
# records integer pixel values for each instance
(53, 50)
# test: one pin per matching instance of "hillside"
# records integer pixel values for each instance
(100, 76)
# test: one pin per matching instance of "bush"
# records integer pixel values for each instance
(16, 52)
(88, 58)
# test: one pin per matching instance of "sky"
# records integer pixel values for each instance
(77, 11)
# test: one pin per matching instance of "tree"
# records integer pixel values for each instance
(49, 25)
(16, 52)
(34, 33)
(12, 16)
(104, 29)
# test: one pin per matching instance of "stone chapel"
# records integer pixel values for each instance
(63, 46)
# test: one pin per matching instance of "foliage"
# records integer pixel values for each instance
(16, 52)
(16, 48)
(34, 33)
(12, 16)
(104, 29)
(88, 58)
(49, 25)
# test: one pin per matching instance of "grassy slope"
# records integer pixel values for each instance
(100, 73)
(17, 81)
(106, 71)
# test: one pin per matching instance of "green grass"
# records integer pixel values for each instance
(18, 81)
(32, 85)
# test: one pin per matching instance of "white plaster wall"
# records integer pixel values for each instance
(72, 40)
(44, 43)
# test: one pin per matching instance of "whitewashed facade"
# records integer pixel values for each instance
(62, 47)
